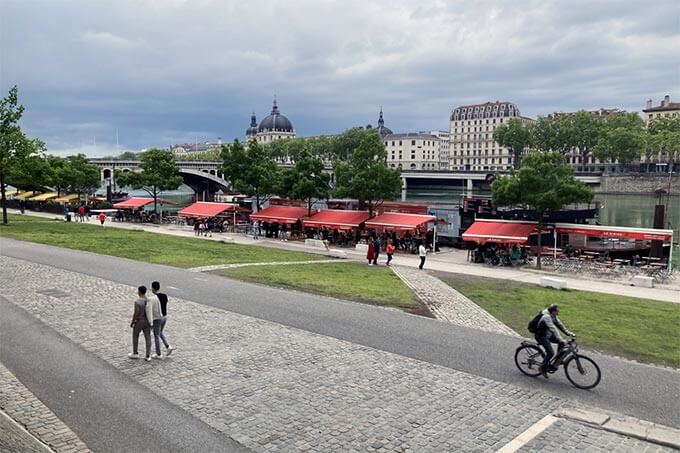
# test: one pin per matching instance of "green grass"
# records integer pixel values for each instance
(142, 246)
(639, 329)
(345, 280)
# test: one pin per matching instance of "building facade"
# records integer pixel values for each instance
(274, 126)
(665, 109)
(413, 151)
(472, 146)
(444, 142)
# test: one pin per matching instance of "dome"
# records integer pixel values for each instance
(252, 130)
(275, 122)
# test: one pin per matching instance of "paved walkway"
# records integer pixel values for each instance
(448, 304)
(276, 388)
(215, 267)
(30, 426)
(449, 260)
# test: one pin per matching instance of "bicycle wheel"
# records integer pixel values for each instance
(582, 372)
(529, 359)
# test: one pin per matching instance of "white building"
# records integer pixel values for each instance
(444, 141)
(472, 146)
(413, 151)
(665, 109)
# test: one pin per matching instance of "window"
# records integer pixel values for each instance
(413, 142)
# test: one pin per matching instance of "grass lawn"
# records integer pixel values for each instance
(639, 329)
(345, 280)
(138, 245)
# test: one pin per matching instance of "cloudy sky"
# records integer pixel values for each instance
(170, 71)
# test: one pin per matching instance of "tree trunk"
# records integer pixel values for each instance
(538, 255)
(4, 199)
(309, 207)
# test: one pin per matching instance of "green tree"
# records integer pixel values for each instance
(58, 177)
(516, 135)
(10, 136)
(664, 139)
(544, 183)
(364, 174)
(80, 175)
(158, 173)
(622, 138)
(127, 155)
(251, 171)
(307, 180)
(342, 145)
(566, 132)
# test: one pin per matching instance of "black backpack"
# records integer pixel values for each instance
(533, 324)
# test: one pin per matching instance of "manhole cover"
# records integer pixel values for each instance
(53, 292)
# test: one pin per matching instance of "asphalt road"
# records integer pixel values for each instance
(647, 392)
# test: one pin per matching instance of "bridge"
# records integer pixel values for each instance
(206, 176)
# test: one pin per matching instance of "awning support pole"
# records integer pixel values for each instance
(670, 255)
(555, 245)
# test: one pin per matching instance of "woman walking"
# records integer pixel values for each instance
(371, 251)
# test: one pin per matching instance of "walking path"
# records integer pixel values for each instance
(448, 304)
(215, 267)
(27, 425)
(449, 260)
(276, 388)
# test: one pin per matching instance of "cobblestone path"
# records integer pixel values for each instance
(19, 404)
(448, 304)
(275, 263)
(277, 388)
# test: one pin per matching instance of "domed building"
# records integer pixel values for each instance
(274, 126)
(384, 131)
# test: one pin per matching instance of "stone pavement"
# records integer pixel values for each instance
(448, 304)
(33, 427)
(277, 388)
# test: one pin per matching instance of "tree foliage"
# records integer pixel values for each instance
(364, 173)
(664, 138)
(251, 171)
(306, 180)
(79, 174)
(544, 183)
(622, 138)
(516, 135)
(158, 173)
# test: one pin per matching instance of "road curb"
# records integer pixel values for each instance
(621, 424)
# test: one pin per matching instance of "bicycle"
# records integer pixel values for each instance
(580, 370)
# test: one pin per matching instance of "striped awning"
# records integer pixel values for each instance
(45, 196)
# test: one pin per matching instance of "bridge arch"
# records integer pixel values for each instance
(199, 179)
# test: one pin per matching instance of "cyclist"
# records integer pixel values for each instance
(547, 333)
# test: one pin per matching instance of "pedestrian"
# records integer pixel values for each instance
(390, 251)
(255, 229)
(370, 252)
(102, 218)
(197, 226)
(422, 253)
(376, 250)
(81, 213)
(153, 314)
(163, 300)
(22, 206)
(140, 323)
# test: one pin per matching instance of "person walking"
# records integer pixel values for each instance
(163, 299)
(139, 324)
(102, 218)
(376, 250)
(422, 253)
(81, 213)
(370, 252)
(390, 251)
(153, 314)
(255, 229)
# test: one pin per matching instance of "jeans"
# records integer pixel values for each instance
(164, 339)
(422, 262)
(375, 258)
(389, 258)
(141, 327)
(546, 341)
(156, 335)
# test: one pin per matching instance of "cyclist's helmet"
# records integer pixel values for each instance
(554, 308)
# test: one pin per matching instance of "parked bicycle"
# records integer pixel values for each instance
(581, 371)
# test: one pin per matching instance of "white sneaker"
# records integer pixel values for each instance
(132, 356)
(148, 359)
(169, 351)
(157, 357)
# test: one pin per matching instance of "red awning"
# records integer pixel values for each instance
(206, 209)
(337, 219)
(133, 203)
(615, 232)
(399, 221)
(280, 214)
(486, 230)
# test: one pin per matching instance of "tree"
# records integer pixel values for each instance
(516, 135)
(29, 169)
(82, 176)
(127, 155)
(158, 173)
(566, 132)
(342, 146)
(10, 135)
(622, 138)
(664, 139)
(364, 174)
(251, 171)
(544, 183)
(58, 177)
(307, 180)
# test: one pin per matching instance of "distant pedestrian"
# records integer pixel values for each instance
(376, 250)
(163, 299)
(255, 229)
(153, 314)
(197, 227)
(422, 253)
(371, 251)
(102, 218)
(390, 251)
(81, 213)
(22, 206)
(140, 323)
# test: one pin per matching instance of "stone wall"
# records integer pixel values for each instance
(615, 184)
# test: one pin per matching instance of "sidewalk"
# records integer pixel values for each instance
(448, 260)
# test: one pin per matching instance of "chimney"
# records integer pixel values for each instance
(649, 103)
(666, 101)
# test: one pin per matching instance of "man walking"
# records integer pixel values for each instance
(153, 314)
(422, 253)
(140, 323)
(102, 218)
(163, 299)
(376, 250)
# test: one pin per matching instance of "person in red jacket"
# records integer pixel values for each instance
(102, 218)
